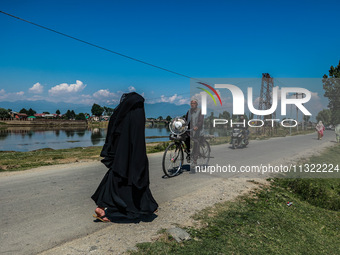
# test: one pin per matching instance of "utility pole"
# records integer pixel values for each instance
(266, 97)
(297, 112)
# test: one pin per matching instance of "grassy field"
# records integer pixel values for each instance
(263, 223)
(13, 161)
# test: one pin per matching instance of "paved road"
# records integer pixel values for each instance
(42, 209)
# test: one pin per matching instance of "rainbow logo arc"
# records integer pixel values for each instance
(209, 93)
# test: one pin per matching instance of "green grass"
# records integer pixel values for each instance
(157, 147)
(14, 161)
(98, 124)
(322, 192)
(262, 223)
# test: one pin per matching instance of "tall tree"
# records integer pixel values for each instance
(331, 85)
(325, 116)
(306, 118)
(97, 110)
(224, 115)
(108, 111)
(80, 116)
(23, 110)
(31, 112)
(4, 113)
(73, 114)
(57, 112)
(68, 115)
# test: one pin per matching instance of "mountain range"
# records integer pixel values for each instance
(151, 110)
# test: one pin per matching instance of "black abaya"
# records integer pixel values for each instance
(124, 190)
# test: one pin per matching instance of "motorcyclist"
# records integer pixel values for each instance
(242, 124)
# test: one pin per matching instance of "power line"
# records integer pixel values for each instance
(95, 45)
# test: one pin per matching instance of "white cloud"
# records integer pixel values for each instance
(184, 101)
(131, 89)
(103, 93)
(63, 88)
(37, 88)
(104, 96)
(13, 96)
(175, 99)
(86, 99)
(2, 94)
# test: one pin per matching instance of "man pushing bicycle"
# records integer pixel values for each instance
(195, 120)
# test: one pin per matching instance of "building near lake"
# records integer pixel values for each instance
(17, 115)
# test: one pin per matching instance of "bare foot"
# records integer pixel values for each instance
(99, 211)
(101, 214)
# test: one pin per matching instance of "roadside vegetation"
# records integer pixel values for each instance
(97, 124)
(14, 161)
(262, 222)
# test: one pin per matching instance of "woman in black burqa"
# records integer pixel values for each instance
(124, 190)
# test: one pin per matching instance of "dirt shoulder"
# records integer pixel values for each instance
(118, 238)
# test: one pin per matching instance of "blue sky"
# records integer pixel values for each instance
(197, 38)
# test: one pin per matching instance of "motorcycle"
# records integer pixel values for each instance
(239, 138)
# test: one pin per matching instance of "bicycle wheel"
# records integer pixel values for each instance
(204, 154)
(173, 159)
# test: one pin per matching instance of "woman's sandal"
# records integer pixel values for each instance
(98, 216)
(101, 218)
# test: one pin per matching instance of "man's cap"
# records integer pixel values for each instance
(194, 99)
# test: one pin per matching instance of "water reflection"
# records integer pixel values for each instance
(81, 133)
(29, 138)
(96, 136)
(3, 135)
(33, 138)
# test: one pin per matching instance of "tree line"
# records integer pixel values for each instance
(331, 85)
(70, 114)
(96, 110)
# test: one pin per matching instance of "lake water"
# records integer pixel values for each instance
(28, 139)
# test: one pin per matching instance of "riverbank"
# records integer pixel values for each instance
(15, 161)
(43, 122)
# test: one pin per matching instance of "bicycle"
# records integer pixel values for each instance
(173, 157)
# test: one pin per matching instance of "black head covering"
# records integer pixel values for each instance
(126, 131)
